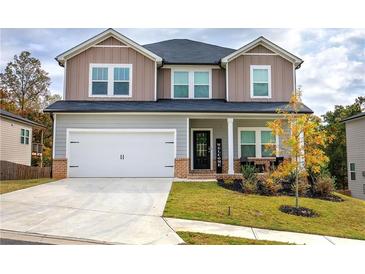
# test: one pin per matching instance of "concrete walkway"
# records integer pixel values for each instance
(257, 233)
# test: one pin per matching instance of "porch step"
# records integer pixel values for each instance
(214, 176)
(202, 171)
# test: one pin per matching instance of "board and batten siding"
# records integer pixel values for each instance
(164, 83)
(11, 148)
(77, 72)
(355, 140)
(116, 121)
(282, 85)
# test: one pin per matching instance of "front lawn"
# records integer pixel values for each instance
(193, 238)
(206, 201)
(12, 185)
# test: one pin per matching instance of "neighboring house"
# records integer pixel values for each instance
(159, 110)
(355, 145)
(16, 138)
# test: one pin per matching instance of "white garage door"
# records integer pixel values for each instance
(121, 154)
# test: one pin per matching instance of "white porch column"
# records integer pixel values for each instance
(230, 146)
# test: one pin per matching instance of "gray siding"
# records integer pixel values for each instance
(178, 122)
(109, 121)
(355, 139)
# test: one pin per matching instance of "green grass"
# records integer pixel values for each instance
(193, 238)
(12, 185)
(207, 201)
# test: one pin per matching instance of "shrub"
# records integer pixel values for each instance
(268, 186)
(235, 185)
(303, 185)
(249, 172)
(324, 185)
(250, 187)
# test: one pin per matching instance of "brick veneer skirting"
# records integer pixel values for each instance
(59, 168)
(181, 167)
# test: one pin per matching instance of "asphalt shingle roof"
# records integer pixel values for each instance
(361, 114)
(169, 105)
(185, 51)
(7, 114)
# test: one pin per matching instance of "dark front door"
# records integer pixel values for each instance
(201, 147)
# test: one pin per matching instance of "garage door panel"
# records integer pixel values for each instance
(115, 154)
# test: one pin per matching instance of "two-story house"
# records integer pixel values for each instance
(173, 108)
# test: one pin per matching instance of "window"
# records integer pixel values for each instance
(99, 81)
(268, 143)
(352, 172)
(191, 84)
(260, 81)
(248, 143)
(181, 84)
(110, 80)
(201, 84)
(256, 142)
(24, 136)
(121, 81)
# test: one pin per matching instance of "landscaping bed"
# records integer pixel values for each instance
(207, 201)
(193, 238)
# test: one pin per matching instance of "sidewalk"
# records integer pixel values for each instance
(257, 233)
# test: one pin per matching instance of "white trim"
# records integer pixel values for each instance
(267, 44)
(54, 135)
(191, 67)
(259, 54)
(101, 37)
(294, 80)
(187, 137)
(110, 46)
(192, 146)
(227, 79)
(191, 71)
(268, 67)
(64, 80)
(258, 140)
(110, 80)
(155, 81)
(230, 146)
(194, 115)
(120, 130)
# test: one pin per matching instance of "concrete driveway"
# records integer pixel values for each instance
(114, 210)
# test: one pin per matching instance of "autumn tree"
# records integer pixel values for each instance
(303, 141)
(24, 82)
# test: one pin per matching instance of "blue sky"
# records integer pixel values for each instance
(334, 59)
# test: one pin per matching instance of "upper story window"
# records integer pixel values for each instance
(191, 84)
(256, 142)
(113, 80)
(24, 136)
(260, 81)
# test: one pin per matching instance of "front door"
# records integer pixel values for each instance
(201, 149)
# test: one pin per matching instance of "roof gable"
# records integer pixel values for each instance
(99, 39)
(260, 43)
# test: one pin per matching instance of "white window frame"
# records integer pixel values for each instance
(258, 141)
(110, 67)
(24, 136)
(190, 71)
(268, 67)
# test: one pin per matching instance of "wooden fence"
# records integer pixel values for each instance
(13, 171)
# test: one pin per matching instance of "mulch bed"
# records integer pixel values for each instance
(300, 211)
(331, 198)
